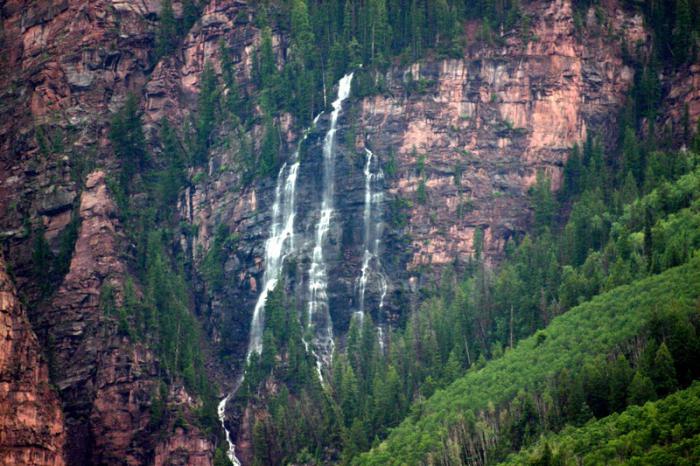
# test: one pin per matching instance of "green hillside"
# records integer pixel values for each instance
(596, 327)
(662, 432)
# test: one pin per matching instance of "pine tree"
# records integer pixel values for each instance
(267, 61)
(632, 156)
(573, 171)
(269, 149)
(682, 32)
(380, 31)
(543, 202)
(206, 112)
(663, 373)
(128, 141)
(417, 28)
(348, 21)
(619, 379)
(172, 177)
(302, 35)
(641, 389)
(166, 38)
(190, 12)
(443, 29)
(629, 191)
(233, 103)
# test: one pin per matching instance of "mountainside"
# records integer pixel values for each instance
(316, 215)
(33, 431)
(664, 431)
(607, 324)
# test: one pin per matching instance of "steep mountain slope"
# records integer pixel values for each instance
(67, 66)
(464, 140)
(31, 421)
(604, 324)
(665, 431)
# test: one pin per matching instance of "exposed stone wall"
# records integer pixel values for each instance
(498, 116)
(31, 421)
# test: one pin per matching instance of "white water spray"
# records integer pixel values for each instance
(371, 263)
(279, 245)
(221, 411)
(319, 318)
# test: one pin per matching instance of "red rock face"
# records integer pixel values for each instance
(497, 117)
(31, 422)
(683, 93)
(67, 65)
(183, 449)
(107, 383)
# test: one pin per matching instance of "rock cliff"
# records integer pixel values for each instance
(31, 420)
(69, 65)
(459, 142)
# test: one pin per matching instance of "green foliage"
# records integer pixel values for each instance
(543, 202)
(220, 457)
(641, 389)
(207, 110)
(299, 417)
(49, 268)
(172, 177)
(212, 266)
(190, 14)
(166, 38)
(664, 432)
(269, 150)
(592, 328)
(177, 330)
(128, 142)
(663, 372)
(421, 193)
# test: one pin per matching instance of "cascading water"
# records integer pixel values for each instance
(319, 319)
(279, 245)
(372, 234)
(371, 264)
(221, 411)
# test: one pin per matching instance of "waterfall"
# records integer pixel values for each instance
(371, 263)
(279, 245)
(221, 411)
(319, 318)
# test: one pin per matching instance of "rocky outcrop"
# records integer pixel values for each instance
(460, 142)
(31, 421)
(473, 133)
(67, 65)
(682, 94)
(107, 382)
(183, 449)
(465, 139)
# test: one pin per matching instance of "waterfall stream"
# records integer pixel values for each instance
(279, 245)
(319, 319)
(371, 263)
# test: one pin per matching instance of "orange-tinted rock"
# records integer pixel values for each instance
(31, 421)
(498, 116)
(184, 449)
